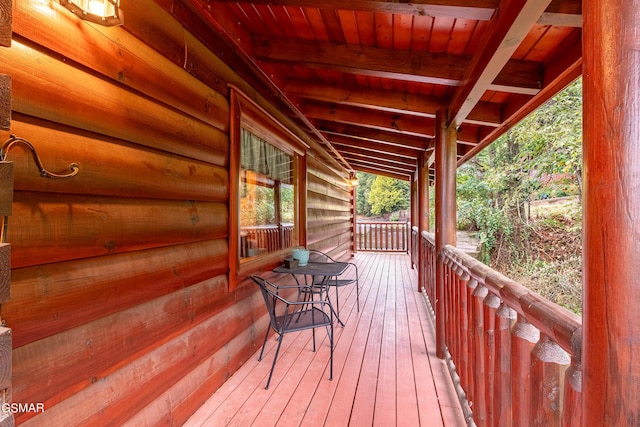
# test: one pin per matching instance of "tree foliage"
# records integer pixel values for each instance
(389, 195)
(541, 157)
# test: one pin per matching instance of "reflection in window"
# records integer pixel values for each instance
(266, 197)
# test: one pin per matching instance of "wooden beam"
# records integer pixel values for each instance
(401, 156)
(375, 135)
(403, 124)
(486, 113)
(422, 67)
(487, 69)
(378, 165)
(481, 10)
(382, 172)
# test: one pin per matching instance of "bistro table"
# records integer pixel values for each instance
(324, 270)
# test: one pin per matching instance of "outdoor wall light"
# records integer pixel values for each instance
(353, 179)
(104, 12)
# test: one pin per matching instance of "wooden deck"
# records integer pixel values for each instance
(386, 372)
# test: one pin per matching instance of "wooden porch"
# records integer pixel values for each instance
(385, 367)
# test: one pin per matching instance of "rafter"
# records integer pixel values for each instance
(392, 139)
(481, 10)
(506, 32)
(485, 113)
(421, 67)
(404, 124)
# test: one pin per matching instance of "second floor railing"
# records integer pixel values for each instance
(515, 356)
(390, 236)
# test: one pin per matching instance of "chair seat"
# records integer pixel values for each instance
(339, 282)
(304, 319)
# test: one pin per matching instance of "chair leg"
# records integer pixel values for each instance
(331, 354)
(264, 343)
(273, 365)
(358, 294)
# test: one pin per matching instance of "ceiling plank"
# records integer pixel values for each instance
(421, 67)
(481, 10)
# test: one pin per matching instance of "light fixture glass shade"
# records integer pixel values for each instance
(104, 12)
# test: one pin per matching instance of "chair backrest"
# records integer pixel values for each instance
(270, 298)
(317, 256)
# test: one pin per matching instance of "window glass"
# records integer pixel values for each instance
(267, 189)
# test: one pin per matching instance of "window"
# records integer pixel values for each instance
(267, 190)
(267, 187)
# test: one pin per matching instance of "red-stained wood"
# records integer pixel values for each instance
(524, 336)
(122, 391)
(505, 317)
(548, 364)
(314, 400)
(124, 59)
(611, 309)
(103, 226)
(445, 152)
(117, 282)
(491, 304)
(102, 162)
(480, 356)
(38, 78)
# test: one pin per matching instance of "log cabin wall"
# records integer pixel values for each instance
(329, 214)
(120, 307)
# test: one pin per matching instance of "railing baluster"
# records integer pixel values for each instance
(523, 338)
(490, 306)
(479, 355)
(505, 318)
(548, 363)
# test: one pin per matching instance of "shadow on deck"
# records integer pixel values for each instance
(385, 369)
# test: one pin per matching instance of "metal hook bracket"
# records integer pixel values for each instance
(13, 140)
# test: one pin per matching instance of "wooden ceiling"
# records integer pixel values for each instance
(364, 78)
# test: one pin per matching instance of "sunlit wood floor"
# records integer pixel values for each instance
(386, 372)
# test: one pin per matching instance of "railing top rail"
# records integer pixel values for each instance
(560, 324)
(403, 223)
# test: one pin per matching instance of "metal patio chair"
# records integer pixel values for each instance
(291, 316)
(337, 282)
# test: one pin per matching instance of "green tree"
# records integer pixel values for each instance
(388, 195)
(363, 207)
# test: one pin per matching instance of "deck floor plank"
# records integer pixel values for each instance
(385, 368)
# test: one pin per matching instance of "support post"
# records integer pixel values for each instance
(423, 216)
(446, 157)
(611, 212)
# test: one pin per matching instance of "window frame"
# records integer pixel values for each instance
(245, 113)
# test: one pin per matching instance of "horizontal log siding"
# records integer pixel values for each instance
(120, 306)
(329, 219)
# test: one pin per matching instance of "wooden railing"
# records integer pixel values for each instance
(262, 239)
(388, 236)
(514, 356)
